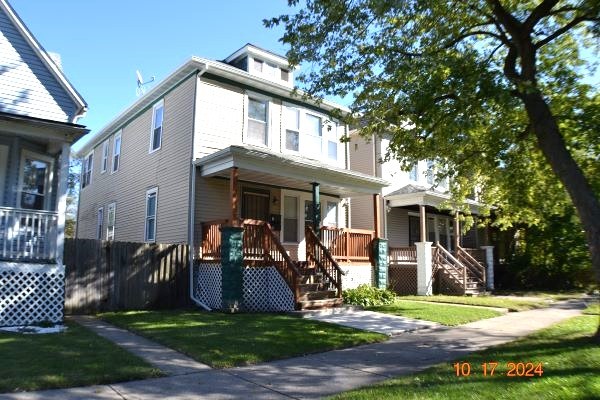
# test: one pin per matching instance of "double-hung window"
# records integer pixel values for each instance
(257, 122)
(290, 219)
(151, 205)
(116, 157)
(292, 129)
(430, 172)
(86, 169)
(313, 133)
(100, 223)
(414, 172)
(157, 126)
(105, 156)
(110, 223)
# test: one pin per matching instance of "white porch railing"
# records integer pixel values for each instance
(27, 235)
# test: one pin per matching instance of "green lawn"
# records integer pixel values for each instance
(486, 301)
(226, 340)
(571, 366)
(445, 314)
(556, 296)
(72, 358)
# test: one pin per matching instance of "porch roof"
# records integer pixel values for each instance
(420, 195)
(261, 165)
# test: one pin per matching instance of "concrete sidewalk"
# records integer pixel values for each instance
(323, 374)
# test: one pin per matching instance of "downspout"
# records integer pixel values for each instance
(192, 198)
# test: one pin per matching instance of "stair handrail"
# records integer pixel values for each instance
(454, 263)
(271, 243)
(312, 238)
(473, 263)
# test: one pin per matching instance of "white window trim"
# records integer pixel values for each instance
(83, 169)
(148, 192)
(99, 223)
(118, 135)
(111, 235)
(284, 130)
(49, 179)
(258, 97)
(159, 104)
(105, 156)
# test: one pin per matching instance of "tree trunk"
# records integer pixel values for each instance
(552, 145)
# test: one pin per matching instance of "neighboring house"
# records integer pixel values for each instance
(417, 211)
(39, 109)
(220, 144)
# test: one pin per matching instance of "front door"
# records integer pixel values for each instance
(34, 181)
(255, 204)
(3, 168)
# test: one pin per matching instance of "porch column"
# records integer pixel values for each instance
(489, 262)
(456, 243)
(422, 223)
(377, 215)
(424, 269)
(233, 196)
(61, 201)
(424, 258)
(316, 201)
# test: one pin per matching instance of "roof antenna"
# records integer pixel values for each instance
(141, 90)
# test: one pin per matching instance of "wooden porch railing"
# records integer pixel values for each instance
(261, 246)
(28, 235)
(454, 268)
(319, 255)
(403, 255)
(476, 268)
(477, 254)
(348, 244)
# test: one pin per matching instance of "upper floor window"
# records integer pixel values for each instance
(104, 156)
(414, 172)
(257, 121)
(110, 223)
(157, 126)
(314, 132)
(306, 133)
(292, 131)
(116, 158)
(100, 223)
(86, 170)
(151, 205)
(430, 172)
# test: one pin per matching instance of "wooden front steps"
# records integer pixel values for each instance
(314, 291)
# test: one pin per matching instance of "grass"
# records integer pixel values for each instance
(556, 296)
(227, 340)
(486, 301)
(571, 361)
(442, 313)
(75, 357)
(592, 309)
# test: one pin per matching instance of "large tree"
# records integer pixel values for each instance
(495, 90)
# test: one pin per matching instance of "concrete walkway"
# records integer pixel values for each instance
(167, 360)
(323, 374)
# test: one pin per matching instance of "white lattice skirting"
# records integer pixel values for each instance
(31, 293)
(264, 289)
(357, 275)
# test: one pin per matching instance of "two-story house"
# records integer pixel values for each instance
(418, 210)
(230, 144)
(39, 110)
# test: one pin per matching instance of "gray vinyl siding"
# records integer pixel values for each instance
(397, 227)
(167, 168)
(211, 203)
(361, 212)
(27, 87)
(361, 155)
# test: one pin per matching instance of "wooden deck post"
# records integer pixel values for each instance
(456, 243)
(233, 196)
(423, 223)
(377, 215)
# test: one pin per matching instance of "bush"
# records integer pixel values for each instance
(366, 296)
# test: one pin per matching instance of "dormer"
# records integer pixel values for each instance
(263, 63)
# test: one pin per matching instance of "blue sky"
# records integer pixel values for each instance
(103, 42)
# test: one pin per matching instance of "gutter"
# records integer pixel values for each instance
(192, 199)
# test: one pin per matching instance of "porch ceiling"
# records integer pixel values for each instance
(267, 167)
(414, 195)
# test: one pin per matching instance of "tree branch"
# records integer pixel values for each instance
(510, 65)
(512, 25)
(563, 29)
(538, 13)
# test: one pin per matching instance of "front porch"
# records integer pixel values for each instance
(288, 215)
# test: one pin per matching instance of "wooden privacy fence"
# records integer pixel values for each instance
(111, 276)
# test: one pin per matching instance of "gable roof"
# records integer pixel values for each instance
(40, 52)
(210, 68)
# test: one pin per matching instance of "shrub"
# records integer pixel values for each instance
(366, 296)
